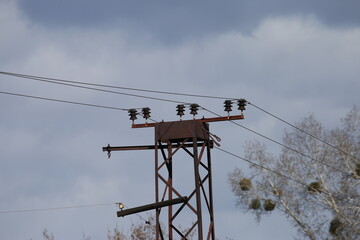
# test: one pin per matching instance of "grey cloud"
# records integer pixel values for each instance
(289, 66)
(176, 21)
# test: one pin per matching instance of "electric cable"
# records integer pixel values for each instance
(62, 101)
(94, 89)
(280, 174)
(283, 145)
(112, 86)
(173, 93)
(146, 221)
(123, 109)
(260, 166)
(64, 208)
(66, 83)
(303, 131)
(71, 102)
(55, 208)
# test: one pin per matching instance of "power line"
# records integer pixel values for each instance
(112, 86)
(70, 102)
(64, 208)
(303, 131)
(66, 83)
(280, 174)
(146, 222)
(55, 208)
(63, 101)
(292, 149)
(259, 166)
(62, 82)
(283, 145)
(123, 109)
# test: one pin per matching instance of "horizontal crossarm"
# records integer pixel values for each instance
(215, 119)
(151, 206)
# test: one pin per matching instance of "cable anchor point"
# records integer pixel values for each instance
(212, 136)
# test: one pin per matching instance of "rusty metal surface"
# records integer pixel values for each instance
(192, 137)
(200, 191)
(215, 119)
(149, 147)
(151, 206)
(181, 130)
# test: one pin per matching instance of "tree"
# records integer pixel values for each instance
(116, 235)
(145, 231)
(316, 187)
(140, 231)
(47, 235)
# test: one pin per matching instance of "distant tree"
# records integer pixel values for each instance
(145, 231)
(47, 235)
(84, 237)
(324, 200)
(116, 235)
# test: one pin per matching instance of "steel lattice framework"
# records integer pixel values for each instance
(193, 138)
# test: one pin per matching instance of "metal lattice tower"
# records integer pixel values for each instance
(193, 138)
(172, 200)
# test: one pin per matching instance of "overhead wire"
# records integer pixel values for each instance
(55, 208)
(66, 83)
(64, 208)
(259, 166)
(62, 101)
(246, 128)
(303, 131)
(51, 80)
(112, 86)
(71, 102)
(146, 221)
(170, 93)
(283, 145)
(62, 82)
(107, 204)
(281, 175)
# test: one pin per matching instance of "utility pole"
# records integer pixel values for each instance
(194, 138)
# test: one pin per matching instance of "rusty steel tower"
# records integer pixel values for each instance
(173, 201)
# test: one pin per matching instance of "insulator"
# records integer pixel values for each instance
(132, 114)
(241, 104)
(194, 108)
(146, 112)
(180, 110)
(121, 206)
(228, 105)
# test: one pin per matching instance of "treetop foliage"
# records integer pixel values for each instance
(320, 195)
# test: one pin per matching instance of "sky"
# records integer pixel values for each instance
(292, 58)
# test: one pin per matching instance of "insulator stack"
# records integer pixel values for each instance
(193, 109)
(132, 114)
(146, 112)
(228, 106)
(241, 104)
(180, 110)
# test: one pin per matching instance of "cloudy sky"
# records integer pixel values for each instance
(291, 58)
